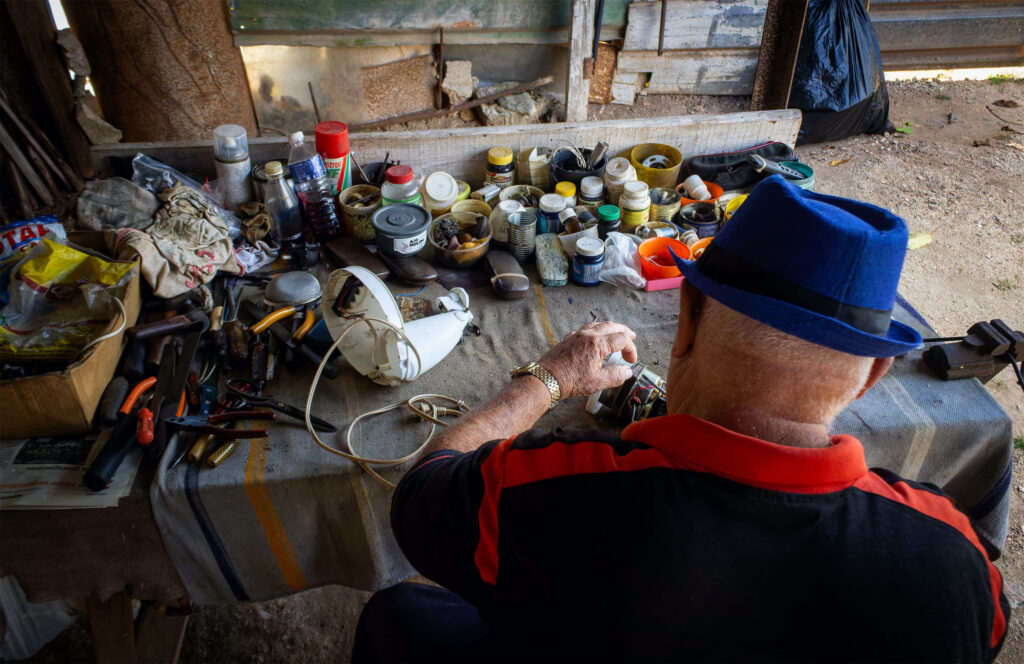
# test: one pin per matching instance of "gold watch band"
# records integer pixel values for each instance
(544, 376)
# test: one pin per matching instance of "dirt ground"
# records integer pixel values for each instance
(958, 174)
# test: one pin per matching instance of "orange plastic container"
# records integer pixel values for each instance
(698, 247)
(713, 189)
(655, 260)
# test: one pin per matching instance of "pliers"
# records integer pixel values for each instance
(205, 424)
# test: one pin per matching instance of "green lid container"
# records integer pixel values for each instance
(608, 212)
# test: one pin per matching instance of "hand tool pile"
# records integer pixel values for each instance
(165, 390)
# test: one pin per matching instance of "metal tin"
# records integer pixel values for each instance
(522, 233)
(401, 228)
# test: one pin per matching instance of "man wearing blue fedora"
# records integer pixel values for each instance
(733, 528)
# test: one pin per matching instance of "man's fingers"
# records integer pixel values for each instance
(622, 341)
(607, 327)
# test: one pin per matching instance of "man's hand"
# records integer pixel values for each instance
(577, 362)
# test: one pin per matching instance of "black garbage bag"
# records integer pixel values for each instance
(839, 83)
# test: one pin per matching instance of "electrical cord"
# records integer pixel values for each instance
(420, 405)
(114, 333)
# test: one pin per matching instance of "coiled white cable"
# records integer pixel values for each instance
(420, 405)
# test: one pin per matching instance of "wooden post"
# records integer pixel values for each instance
(164, 70)
(581, 37)
(33, 23)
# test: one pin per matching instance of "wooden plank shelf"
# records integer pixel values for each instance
(463, 152)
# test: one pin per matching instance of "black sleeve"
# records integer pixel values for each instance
(435, 518)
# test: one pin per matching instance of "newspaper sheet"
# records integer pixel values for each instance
(46, 473)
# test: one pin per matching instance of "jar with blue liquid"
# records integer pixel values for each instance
(587, 261)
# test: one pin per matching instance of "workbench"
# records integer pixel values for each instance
(281, 515)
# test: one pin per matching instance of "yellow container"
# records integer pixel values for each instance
(656, 177)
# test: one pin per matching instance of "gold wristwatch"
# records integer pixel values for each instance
(544, 376)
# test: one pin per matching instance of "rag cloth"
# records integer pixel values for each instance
(186, 246)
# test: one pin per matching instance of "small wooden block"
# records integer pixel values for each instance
(552, 261)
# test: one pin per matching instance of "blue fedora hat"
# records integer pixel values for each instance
(822, 268)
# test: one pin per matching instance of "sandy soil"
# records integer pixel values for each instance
(958, 175)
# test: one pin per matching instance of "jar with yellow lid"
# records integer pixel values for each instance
(501, 171)
(567, 190)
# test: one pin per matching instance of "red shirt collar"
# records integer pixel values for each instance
(706, 447)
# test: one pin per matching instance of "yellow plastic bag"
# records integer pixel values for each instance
(55, 301)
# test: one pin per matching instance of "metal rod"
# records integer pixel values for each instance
(316, 109)
(661, 28)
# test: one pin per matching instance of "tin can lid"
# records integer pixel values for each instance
(592, 186)
(608, 213)
(552, 202)
(635, 187)
(332, 138)
(441, 187)
(398, 174)
(565, 189)
(401, 220)
(499, 156)
(589, 246)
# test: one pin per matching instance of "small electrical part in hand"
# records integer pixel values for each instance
(985, 350)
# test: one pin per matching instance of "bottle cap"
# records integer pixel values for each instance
(567, 213)
(552, 202)
(635, 187)
(441, 187)
(589, 246)
(230, 143)
(608, 213)
(296, 137)
(332, 138)
(565, 189)
(617, 167)
(273, 169)
(398, 174)
(499, 156)
(592, 186)
(509, 206)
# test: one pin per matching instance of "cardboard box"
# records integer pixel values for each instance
(64, 402)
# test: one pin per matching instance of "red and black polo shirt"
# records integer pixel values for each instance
(683, 540)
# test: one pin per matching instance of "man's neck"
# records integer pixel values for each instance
(754, 422)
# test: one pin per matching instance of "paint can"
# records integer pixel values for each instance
(401, 228)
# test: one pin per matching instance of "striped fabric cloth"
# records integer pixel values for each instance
(281, 515)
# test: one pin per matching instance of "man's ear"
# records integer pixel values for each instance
(691, 301)
(878, 369)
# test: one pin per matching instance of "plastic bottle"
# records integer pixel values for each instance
(439, 192)
(587, 261)
(499, 220)
(313, 189)
(618, 172)
(592, 191)
(400, 186)
(567, 190)
(635, 204)
(607, 220)
(547, 219)
(332, 145)
(231, 154)
(284, 209)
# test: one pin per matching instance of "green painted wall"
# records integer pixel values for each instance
(316, 15)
